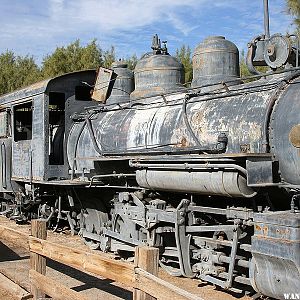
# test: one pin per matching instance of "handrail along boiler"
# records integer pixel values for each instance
(208, 174)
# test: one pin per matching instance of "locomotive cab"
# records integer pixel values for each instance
(34, 125)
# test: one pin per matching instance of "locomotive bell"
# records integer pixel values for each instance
(123, 83)
(215, 60)
(157, 73)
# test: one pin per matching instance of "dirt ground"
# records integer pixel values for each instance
(14, 264)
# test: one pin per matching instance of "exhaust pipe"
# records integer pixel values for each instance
(266, 19)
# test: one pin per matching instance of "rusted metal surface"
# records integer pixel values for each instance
(6, 185)
(157, 73)
(228, 141)
(4, 124)
(39, 152)
(102, 85)
(22, 160)
(275, 265)
(29, 158)
(19, 95)
(215, 60)
(294, 136)
(283, 119)
(162, 128)
(123, 83)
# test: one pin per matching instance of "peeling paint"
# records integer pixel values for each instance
(160, 125)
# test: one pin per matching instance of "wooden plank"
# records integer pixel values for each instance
(85, 261)
(161, 289)
(38, 262)
(103, 84)
(15, 236)
(14, 289)
(17, 271)
(146, 258)
(53, 288)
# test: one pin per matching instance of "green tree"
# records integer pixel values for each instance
(293, 7)
(28, 71)
(73, 57)
(91, 55)
(131, 61)
(184, 56)
(17, 71)
(109, 56)
(244, 71)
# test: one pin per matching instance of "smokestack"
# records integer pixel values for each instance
(266, 19)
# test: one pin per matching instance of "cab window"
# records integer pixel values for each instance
(23, 121)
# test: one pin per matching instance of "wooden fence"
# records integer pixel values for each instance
(141, 276)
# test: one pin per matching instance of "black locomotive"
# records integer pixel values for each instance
(209, 174)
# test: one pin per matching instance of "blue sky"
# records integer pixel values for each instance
(37, 27)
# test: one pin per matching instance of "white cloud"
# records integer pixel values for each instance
(120, 15)
(56, 9)
(128, 24)
(180, 24)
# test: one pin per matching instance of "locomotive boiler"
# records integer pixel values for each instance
(209, 174)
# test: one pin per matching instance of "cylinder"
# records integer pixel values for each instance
(157, 74)
(123, 83)
(230, 184)
(215, 60)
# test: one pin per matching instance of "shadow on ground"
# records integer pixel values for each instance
(89, 281)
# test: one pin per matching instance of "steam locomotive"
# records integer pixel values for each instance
(209, 174)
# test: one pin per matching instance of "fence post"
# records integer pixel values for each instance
(38, 262)
(146, 258)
